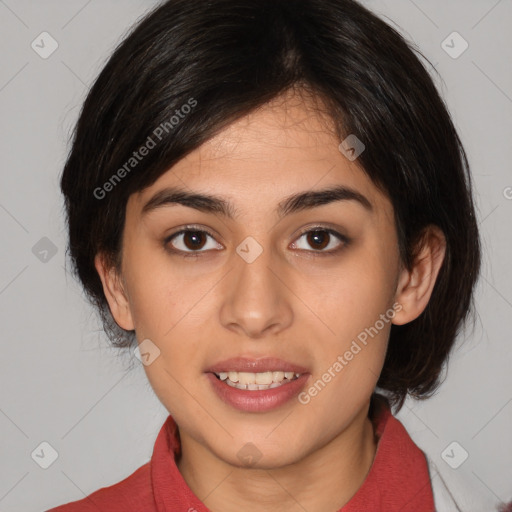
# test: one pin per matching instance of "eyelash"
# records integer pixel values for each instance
(311, 229)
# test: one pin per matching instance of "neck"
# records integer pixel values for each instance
(326, 479)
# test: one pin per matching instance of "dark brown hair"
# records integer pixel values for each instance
(228, 57)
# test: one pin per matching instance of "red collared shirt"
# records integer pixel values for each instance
(398, 480)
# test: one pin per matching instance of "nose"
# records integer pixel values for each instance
(257, 298)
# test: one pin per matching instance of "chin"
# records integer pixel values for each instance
(258, 452)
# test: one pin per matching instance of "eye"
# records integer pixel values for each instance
(192, 241)
(322, 240)
(195, 241)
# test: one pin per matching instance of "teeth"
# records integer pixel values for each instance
(263, 378)
(246, 378)
(257, 381)
(277, 376)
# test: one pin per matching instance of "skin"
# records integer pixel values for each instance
(293, 302)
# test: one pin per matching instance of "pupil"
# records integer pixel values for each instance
(196, 237)
(318, 238)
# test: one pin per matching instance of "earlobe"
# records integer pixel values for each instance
(114, 293)
(415, 286)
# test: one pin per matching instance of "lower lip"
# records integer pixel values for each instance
(261, 400)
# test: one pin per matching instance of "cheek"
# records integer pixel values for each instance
(353, 297)
(158, 296)
(354, 303)
(348, 366)
(165, 307)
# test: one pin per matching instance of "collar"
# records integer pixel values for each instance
(398, 479)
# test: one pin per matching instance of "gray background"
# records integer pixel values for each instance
(61, 383)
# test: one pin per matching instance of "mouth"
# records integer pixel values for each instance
(257, 381)
(257, 385)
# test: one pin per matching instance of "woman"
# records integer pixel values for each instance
(270, 201)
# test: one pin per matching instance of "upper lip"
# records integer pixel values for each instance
(244, 364)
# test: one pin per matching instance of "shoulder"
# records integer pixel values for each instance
(398, 479)
(455, 491)
(132, 493)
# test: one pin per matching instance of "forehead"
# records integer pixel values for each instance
(285, 147)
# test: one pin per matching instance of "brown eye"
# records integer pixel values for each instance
(317, 240)
(192, 241)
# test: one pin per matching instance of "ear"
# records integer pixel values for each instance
(415, 286)
(115, 293)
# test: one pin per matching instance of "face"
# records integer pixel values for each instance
(266, 275)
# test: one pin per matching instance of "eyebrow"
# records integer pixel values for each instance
(213, 204)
